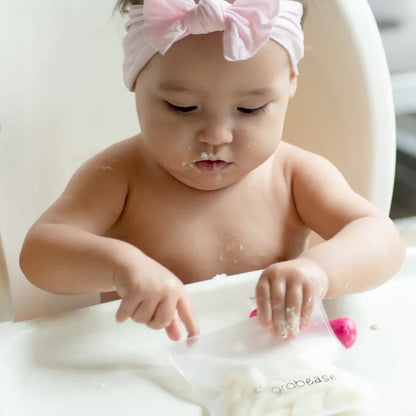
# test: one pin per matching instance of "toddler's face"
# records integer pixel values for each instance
(207, 121)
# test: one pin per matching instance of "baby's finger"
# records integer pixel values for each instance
(294, 295)
(145, 311)
(127, 308)
(164, 312)
(264, 309)
(307, 307)
(278, 305)
(186, 314)
(173, 330)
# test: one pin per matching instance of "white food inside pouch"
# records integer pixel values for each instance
(247, 392)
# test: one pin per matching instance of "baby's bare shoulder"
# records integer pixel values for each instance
(95, 195)
(324, 200)
(310, 173)
(297, 160)
(298, 165)
(120, 156)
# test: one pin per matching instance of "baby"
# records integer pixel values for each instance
(208, 186)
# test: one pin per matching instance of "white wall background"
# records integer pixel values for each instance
(62, 100)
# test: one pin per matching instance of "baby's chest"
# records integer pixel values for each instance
(198, 238)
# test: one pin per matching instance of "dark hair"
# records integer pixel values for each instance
(123, 6)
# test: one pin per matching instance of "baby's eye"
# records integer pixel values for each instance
(180, 109)
(252, 111)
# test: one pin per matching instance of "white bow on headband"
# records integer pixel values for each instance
(247, 25)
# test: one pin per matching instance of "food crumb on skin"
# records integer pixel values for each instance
(292, 321)
(220, 276)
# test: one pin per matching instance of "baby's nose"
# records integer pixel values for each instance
(215, 134)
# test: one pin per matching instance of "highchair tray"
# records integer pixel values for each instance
(84, 363)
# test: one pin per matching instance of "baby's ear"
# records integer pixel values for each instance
(293, 84)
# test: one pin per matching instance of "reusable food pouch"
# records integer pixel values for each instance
(244, 370)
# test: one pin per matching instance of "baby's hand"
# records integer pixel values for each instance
(286, 293)
(154, 296)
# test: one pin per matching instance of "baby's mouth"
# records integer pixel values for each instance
(211, 165)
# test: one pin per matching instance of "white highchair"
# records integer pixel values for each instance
(62, 100)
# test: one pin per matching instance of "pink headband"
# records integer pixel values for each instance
(247, 25)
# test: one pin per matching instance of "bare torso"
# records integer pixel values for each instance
(198, 234)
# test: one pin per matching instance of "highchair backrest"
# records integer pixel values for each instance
(62, 100)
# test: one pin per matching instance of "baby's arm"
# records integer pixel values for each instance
(362, 248)
(66, 251)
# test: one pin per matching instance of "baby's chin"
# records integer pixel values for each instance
(213, 181)
(208, 187)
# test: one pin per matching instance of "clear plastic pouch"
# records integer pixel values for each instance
(244, 370)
